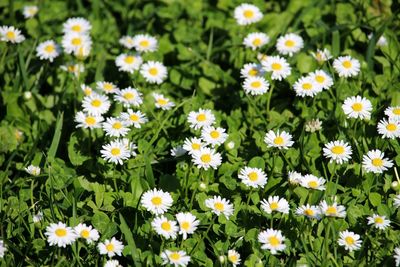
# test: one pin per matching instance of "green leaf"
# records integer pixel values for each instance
(129, 238)
(56, 137)
(375, 199)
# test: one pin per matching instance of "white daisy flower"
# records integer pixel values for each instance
(112, 263)
(88, 233)
(279, 67)
(75, 69)
(156, 201)
(219, 206)
(165, 227)
(115, 152)
(378, 221)
(255, 85)
(389, 129)
(60, 235)
(246, 14)
(87, 121)
(397, 256)
(130, 146)
(37, 217)
(163, 102)
(129, 97)
(233, 257)
(110, 247)
(306, 86)
(349, 240)
(128, 63)
(289, 44)
(191, 145)
(33, 170)
(11, 34)
(274, 203)
(333, 210)
(313, 182)
(338, 151)
(213, 136)
(30, 11)
(48, 50)
(251, 70)
(145, 43)
(322, 55)
(381, 40)
(322, 79)
(154, 72)
(77, 25)
(253, 177)
(201, 118)
(310, 211)
(295, 177)
(375, 162)
(346, 66)
(107, 87)
(393, 113)
(96, 104)
(357, 107)
(206, 158)
(3, 249)
(176, 258)
(396, 201)
(177, 151)
(72, 42)
(281, 140)
(255, 40)
(272, 240)
(313, 125)
(135, 118)
(188, 223)
(83, 51)
(127, 41)
(115, 127)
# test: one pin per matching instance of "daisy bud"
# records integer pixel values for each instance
(27, 95)
(230, 145)
(202, 186)
(395, 185)
(221, 259)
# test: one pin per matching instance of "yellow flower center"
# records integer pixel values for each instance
(318, 56)
(110, 247)
(349, 240)
(313, 184)
(377, 162)
(278, 141)
(195, 146)
(276, 66)
(129, 59)
(166, 226)
(337, 150)
(257, 42)
(347, 64)
(185, 226)
(331, 210)
(274, 205)
(274, 241)
(219, 206)
(117, 125)
(85, 233)
(108, 87)
(76, 28)
(289, 43)
(129, 96)
(162, 101)
(134, 117)
(10, 35)
(253, 72)
(49, 48)
(144, 43)
(256, 84)
(357, 107)
(391, 127)
(320, 78)
(396, 111)
(201, 117)
(72, 68)
(96, 103)
(248, 14)
(174, 256)
(253, 176)
(309, 212)
(156, 201)
(232, 258)
(61, 232)
(306, 86)
(378, 220)
(90, 120)
(76, 41)
(214, 134)
(153, 71)
(115, 151)
(87, 91)
(206, 158)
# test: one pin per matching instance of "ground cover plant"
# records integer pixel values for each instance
(199, 133)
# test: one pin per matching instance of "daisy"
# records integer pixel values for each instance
(177, 151)
(165, 227)
(115, 127)
(310, 211)
(213, 136)
(313, 182)
(129, 97)
(255, 85)
(72, 42)
(381, 41)
(251, 70)
(107, 87)
(154, 72)
(95, 104)
(87, 232)
(357, 107)
(110, 247)
(60, 235)
(322, 79)
(253, 177)
(112, 263)
(128, 63)
(77, 25)
(37, 217)
(33, 170)
(206, 158)
(313, 125)
(163, 102)
(289, 44)
(115, 152)
(349, 240)
(246, 14)
(272, 240)
(393, 113)
(127, 41)
(192, 145)
(83, 51)
(135, 118)
(30, 11)
(48, 50)
(396, 201)
(397, 256)
(346, 66)
(305, 86)
(145, 43)
(176, 258)
(322, 55)
(295, 177)
(201, 118)
(3, 249)
(255, 40)
(333, 210)
(156, 201)
(234, 257)
(88, 121)
(279, 67)
(375, 162)
(219, 206)
(274, 203)
(281, 140)
(188, 223)
(378, 221)
(389, 129)
(75, 69)
(11, 34)
(338, 151)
